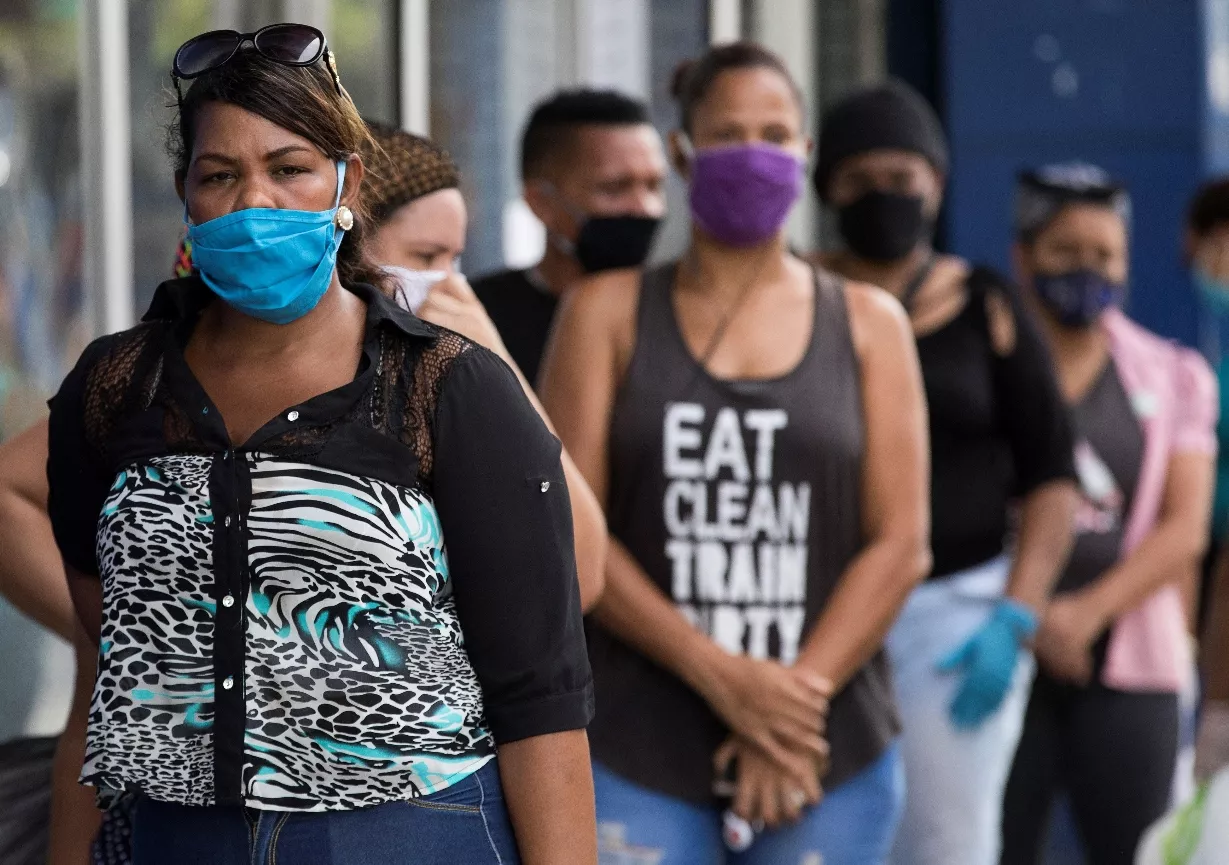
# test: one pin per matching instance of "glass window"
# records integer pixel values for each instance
(43, 323)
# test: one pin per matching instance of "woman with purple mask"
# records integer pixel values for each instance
(756, 430)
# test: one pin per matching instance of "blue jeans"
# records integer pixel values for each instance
(853, 825)
(466, 823)
(953, 813)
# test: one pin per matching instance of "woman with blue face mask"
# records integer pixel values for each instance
(756, 430)
(1112, 649)
(323, 547)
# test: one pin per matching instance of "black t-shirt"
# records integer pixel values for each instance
(352, 607)
(998, 425)
(1108, 450)
(523, 310)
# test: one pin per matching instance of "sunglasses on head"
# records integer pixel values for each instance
(287, 44)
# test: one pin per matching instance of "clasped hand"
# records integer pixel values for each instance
(778, 716)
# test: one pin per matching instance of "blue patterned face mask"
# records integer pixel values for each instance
(271, 264)
(1078, 298)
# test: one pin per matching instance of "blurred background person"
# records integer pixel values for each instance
(1113, 647)
(756, 430)
(1212, 743)
(1207, 249)
(419, 221)
(593, 171)
(999, 435)
(1207, 255)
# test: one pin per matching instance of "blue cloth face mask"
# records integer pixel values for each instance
(271, 264)
(1077, 298)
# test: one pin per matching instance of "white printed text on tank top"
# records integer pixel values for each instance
(736, 536)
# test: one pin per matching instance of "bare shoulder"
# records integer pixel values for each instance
(610, 294)
(602, 307)
(876, 318)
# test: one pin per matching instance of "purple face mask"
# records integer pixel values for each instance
(741, 195)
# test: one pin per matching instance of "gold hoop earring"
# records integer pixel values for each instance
(344, 218)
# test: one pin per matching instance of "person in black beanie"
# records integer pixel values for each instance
(1000, 435)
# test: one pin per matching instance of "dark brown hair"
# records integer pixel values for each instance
(302, 100)
(693, 79)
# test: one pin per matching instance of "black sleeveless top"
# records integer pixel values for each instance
(742, 502)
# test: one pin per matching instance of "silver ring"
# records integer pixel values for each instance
(797, 799)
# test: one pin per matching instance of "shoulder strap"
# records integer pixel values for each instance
(655, 308)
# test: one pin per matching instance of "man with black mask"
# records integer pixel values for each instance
(593, 170)
(999, 434)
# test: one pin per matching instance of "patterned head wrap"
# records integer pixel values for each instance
(404, 168)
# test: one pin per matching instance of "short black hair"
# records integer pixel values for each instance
(1210, 207)
(554, 120)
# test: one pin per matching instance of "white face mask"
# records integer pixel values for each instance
(413, 286)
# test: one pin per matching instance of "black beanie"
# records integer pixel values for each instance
(889, 116)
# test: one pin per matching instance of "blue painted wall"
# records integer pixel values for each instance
(1122, 83)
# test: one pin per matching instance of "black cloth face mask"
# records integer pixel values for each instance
(884, 226)
(611, 242)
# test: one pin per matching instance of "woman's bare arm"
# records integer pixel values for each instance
(554, 769)
(1043, 543)
(453, 304)
(74, 817)
(1075, 620)
(895, 493)
(31, 572)
(1175, 545)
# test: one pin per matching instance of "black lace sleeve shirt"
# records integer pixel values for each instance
(352, 608)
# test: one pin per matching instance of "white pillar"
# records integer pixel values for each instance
(414, 53)
(725, 21)
(225, 15)
(791, 29)
(106, 162)
(612, 45)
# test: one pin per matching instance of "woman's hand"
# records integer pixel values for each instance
(1064, 642)
(765, 792)
(776, 708)
(451, 303)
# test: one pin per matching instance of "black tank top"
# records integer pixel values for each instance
(742, 502)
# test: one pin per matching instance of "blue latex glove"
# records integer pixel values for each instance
(988, 662)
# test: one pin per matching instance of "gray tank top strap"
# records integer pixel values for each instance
(655, 317)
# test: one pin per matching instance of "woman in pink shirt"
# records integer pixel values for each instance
(1113, 649)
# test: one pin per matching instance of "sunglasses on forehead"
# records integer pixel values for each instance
(287, 44)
